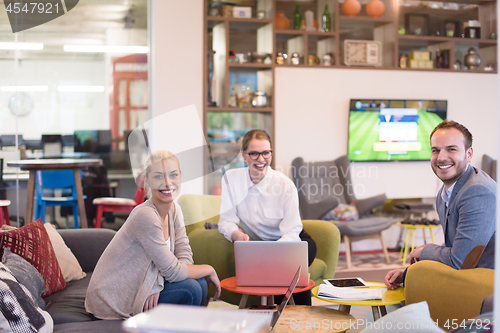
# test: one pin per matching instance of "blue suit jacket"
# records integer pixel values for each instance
(469, 221)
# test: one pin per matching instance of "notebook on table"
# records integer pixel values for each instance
(270, 263)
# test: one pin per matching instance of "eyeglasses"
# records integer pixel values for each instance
(255, 155)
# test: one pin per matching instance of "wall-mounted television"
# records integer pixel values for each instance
(392, 130)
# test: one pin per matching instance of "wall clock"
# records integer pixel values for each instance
(362, 52)
(20, 104)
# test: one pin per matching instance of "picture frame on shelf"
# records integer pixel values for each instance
(417, 24)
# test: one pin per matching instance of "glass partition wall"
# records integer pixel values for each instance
(73, 87)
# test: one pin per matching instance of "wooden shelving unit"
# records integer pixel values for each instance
(243, 35)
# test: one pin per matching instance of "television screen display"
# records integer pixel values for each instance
(392, 130)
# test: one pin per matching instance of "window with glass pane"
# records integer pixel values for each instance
(67, 99)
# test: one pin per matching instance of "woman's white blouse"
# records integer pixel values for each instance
(268, 210)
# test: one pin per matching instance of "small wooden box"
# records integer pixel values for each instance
(242, 12)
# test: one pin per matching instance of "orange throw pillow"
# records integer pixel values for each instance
(33, 244)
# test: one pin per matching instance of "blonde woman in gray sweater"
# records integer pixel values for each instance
(149, 260)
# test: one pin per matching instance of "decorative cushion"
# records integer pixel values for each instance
(343, 212)
(4, 324)
(70, 268)
(18, 308)
(33, 244)
(8, 227)
(209, 225)
(26, 274)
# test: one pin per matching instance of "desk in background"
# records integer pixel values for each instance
(60, 164)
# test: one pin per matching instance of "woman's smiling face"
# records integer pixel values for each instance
(258, 167)
(164, 179)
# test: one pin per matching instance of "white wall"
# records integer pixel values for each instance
(177, 59)
(311, 119)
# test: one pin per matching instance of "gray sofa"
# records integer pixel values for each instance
(67, 306)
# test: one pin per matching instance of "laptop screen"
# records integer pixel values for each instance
(288, 294)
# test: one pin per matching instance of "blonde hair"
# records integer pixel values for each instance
(152, 158)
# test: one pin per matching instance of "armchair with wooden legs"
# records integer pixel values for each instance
(322, 185)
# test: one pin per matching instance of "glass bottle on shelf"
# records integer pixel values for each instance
(233, 98)
(297, 17)
(244, 96)
(327, 20)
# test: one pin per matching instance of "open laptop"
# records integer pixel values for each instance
(277, 312)
(270, 263)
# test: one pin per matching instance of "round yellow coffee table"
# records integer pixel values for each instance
(378, 305)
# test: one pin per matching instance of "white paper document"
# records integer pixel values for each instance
(331, 292)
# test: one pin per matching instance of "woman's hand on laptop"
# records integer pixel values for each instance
(239, 236)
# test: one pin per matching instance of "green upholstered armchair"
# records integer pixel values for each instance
(210, 247)
(450, 293)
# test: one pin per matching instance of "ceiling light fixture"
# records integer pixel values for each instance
(20, 46)
(24, 88)
(80, 88)
(106, 49)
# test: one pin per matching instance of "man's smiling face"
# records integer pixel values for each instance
(449, 157)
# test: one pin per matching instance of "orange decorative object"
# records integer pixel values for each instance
(282, 23)
(375, 8)
(351, 7)
(316, 24)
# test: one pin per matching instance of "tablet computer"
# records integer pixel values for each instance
(347, 282)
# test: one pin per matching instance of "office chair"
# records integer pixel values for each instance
(489, 165)
(49, 180)
(109, 204)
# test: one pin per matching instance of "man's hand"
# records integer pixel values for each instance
(239, 236)
(394, 278)
(151, 302)
(415, 254)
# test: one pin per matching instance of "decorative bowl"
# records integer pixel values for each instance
(259, 56)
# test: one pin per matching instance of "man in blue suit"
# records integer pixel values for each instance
(466, 205)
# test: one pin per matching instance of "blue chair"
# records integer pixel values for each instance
(49, 180)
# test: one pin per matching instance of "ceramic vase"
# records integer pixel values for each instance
(351, 7)
(375, 8)
(282, 23)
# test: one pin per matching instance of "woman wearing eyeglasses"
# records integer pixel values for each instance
(260, 200)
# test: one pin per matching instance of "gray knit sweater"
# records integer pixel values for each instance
(136, 263)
